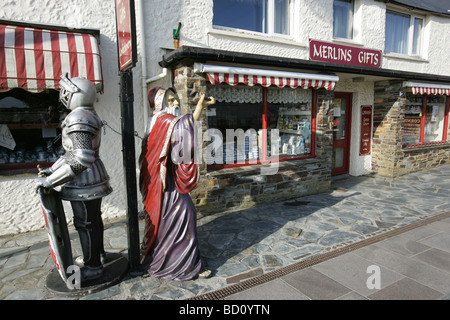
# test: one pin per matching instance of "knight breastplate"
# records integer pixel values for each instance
(93, 182)
(83, 119)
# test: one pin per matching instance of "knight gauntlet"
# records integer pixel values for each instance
(72, 163)
(60, 176)
(45, 172)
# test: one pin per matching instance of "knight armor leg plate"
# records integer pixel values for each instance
(88, 223)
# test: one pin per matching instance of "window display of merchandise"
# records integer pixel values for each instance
(294, 125)
(424, 120)
(413, 120)
(241, 109)
(37, 155)
(30, 129)
(230, 152)
(245, 121)
(434, 119)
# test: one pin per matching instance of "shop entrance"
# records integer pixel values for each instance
(341, 133)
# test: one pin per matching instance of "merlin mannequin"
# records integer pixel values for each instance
(170, 244)
(80, 172)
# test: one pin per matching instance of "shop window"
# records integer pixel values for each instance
(267, 16)
(244, 110)
(403, 33)
(425, 120)
(343, 19)
(30, 130)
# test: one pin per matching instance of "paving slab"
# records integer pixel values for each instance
(275, 290)
(435, 257)
(316, 285)
(406, 289)
(403, 246)
(440, 241)
(421, 272)
(352, 271)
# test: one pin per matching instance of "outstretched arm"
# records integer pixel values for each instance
(202, 104)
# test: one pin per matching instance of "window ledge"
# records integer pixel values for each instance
(348, 41)
(426, 146)
(17, 175)
(273, 38)
(255, 169)
(404, 57)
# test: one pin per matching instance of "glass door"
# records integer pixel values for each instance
(341, 133)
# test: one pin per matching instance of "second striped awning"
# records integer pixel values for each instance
(34, 59)
(428, 88)
(265, 77)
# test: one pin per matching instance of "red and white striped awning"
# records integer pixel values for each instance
(34, 59)
(428, 88)
(265, 77)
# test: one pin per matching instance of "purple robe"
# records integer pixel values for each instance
(172, 251)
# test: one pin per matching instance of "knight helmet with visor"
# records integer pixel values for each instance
(76, 92)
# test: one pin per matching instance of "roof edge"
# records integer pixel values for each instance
(413, 6)
(93, 31)
(199, 54)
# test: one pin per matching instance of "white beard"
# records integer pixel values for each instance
(152, 119)
(175, 111)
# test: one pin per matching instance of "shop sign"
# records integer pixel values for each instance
(411, 127)
(343, 54)
(366, 130)
(126, 34)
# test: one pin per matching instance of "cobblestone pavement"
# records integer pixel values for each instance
(244, 244)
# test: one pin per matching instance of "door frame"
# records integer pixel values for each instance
(345, 143)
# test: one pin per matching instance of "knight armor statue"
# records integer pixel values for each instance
(80, 172)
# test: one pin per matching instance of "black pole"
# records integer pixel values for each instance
(129, 163)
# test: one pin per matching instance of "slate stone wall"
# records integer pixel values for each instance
(388, 157)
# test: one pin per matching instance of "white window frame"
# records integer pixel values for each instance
(412, 18)
(411, 35)
(270, 16)
(353, 13)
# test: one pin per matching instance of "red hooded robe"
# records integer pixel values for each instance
(155, 166)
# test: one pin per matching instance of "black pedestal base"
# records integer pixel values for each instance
(114, 269)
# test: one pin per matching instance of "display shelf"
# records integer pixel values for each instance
(296, 113)
(30, 142)
(290, 131)
(23, 165)
(13, 126)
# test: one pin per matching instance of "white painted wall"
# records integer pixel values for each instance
(363, 94)
(19, 205)
(313, 19)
